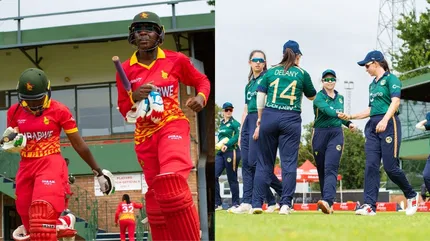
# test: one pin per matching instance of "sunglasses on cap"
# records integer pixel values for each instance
(258, 60)
(329, 80)
(228, 110)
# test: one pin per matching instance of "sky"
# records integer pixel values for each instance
(332, 34)
(9, 8)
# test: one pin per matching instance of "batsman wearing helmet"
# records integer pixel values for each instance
(163, 147)
(42, 177)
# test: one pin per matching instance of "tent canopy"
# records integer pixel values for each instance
(307, 172)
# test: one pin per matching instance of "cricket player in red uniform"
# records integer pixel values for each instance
(42, 177)
(163, 148)
(124, 215)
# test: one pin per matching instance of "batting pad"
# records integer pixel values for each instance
(157, 222)
(43, 218)
(176, 202)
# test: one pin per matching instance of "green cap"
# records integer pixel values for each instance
(147, 17)
(33, 84)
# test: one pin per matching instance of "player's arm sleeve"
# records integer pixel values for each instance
(118, 211)
(264, 84)
(11, 119)
(138, 205)
(192, 77)
(325, 108)
(125, 101)
(308, 86)
(235, 138)
(394, 86)
(67, 122)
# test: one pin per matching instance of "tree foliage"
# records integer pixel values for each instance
(211, 2)
(415, 50)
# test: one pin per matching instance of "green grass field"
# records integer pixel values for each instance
(316, 226)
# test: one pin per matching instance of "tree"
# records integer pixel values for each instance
(211, 2)
(218, 116)
(415, 50)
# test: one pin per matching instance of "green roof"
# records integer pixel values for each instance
(416, 81)
(99, 32)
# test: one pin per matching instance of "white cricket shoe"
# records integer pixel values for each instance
(67, 232)
(256, 211)
(243, 208)
(412, 205)
(365, 210)
(272, 208)
(217, 208)
(285, 210)
(232, 208)
(20, 234)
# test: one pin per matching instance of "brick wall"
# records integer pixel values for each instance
(107, 204)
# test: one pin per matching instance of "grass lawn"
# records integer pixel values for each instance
(316, 226)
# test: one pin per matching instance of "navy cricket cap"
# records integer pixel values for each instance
(227, 105)
(372, 56)
(293, 45)
(329, 71)
(427, 125)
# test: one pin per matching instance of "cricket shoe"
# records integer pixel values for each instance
(365, 210)
(20, 234)
(285, 210)
(232, 208)
(243, 208)
(325, 207)
(412, 205)
(218, 208)
(272, 208)
(256, 211)
(67, 232)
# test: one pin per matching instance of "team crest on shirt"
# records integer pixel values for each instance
(338, 147)
(388, 139)
(45, 121)
(164, 75)
(383, 82)
(340, 100)
(228, 125)
(229, 159)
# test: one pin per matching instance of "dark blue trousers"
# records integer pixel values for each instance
(426, 174)
(277, 129)
(327, 145)
(383, 145)
(228, 160)
(250, 151)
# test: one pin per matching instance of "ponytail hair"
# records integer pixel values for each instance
(289, 59)
(250, 57)
(126, 198)
(384, 65)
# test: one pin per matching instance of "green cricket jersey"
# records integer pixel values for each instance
(326, 108)
(231, 130)
(381, 92)
(285, 88)
(251, 93)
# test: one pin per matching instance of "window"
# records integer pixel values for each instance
(67, 97)
(118, 123)
(94, 111)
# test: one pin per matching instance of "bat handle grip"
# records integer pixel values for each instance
(8, 138)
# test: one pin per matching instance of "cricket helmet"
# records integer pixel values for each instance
(33, 84)
(146, 18)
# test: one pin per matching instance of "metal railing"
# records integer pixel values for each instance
(20, 18)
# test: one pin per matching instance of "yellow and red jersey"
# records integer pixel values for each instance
(42, 132)
(125, 211)
(165, 72)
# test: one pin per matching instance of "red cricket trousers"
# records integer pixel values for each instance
(124, 225)
(42, 178)
(167, 150)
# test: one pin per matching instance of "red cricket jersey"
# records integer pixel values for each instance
(126, 211)
(42, 132)
(165, 72)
